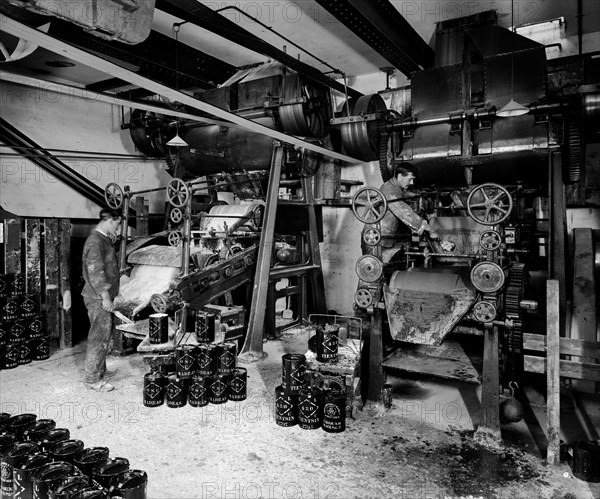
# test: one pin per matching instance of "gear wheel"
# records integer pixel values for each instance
(512, 308)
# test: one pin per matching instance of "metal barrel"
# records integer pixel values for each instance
(185, 361)
(131, 484)
(154, 389)
(40, 349)
(176, 391)
(89, 459)
(18, 424)
(69, 485)
(24, 353)
(218, 388)
(40, 427)
(104, 473)
(334, 411)
(206, 359)
(158, 328)
(238, 384)
(226, 357)
(49, 475)
(13, 456)
(327, 343)
(66, 450)
(24, 471)
(52, 437)
(204, 327)
(198, 391)
(293, 367)
(586, 461)
(9, 356)
(286, 407)
(310, 408)
(36, 327)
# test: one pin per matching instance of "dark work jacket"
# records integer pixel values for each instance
(100, 267)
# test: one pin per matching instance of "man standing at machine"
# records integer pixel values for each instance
(101, 275)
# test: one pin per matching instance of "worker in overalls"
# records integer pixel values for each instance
(101, 275)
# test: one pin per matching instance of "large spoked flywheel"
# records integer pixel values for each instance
(361, 137)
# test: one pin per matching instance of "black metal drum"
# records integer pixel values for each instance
(198, 391)
(158, 328)
(5, 284)
(17, 285)
(18, 424)
(24, 472)
(40, 349)
(48, 476)
(206, 359)
(154, 389)
(17, 332)
(66, 450)
(286, 407)
(9, 308)
(226, 357)
(310, 409)
(238, 384)
(185, 361)
(40, 427)
(204, 327)
(327, 343)
(13, 456)
(218, 388)
(10, 355)
(334, 411)
(29, 306)
(24, 353)
(293, 367)
(89, 459)
(104, 473)
(52, 437)
(176, 391)
(131, 484)
(36, 327)
(69, 486)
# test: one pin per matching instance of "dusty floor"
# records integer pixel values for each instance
(422, 448)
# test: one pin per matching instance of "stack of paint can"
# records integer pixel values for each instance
(23, 335)
(293, 367)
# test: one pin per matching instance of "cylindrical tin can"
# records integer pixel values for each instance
(36, 327)
(286, 407)
(48, 476)
(18, 424)
(4, 417)
(293, 367)
(40, 349)
(9, 308)
(24, 353)
(176, 391)
(89, 459)
(29, 306)
(238, 384)
(310, 408)
(198, 392)
(226, 357)
(105, 472)
(18, 452)
(131, 484)
(92, 493)
(4, 332)
(66, 450)
(218, 388)
(334, 411)
(40, 427)
(185, 361)
(327, 343)
(204, 327)
(206, 359)
(51, 437)
(17, 332)
(158, 328)
(154, 389)
(7, 440)
(5, 284)
(24, 472)
(17, 285)
(69, 485)
(10, 355)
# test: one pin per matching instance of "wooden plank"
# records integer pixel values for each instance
(568, 346)
(490, 390)
(375, 375)
(12, 246)
(568, 368)
(33, 262)
(52, 277)
(66, 327)
(553, 298)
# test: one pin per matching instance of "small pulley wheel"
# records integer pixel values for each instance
(484, 311)
(363, 298)
(490, 240)
(113, 195)
(176, 215)
(369, 268)
(236, 249)
(159, 303)
(369, 205)
(178, 192)
(174, 238)
(487, 277)
(494, 200)
(372, 237)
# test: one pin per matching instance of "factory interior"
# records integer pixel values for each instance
(299, 249)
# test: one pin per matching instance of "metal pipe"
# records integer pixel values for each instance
(133, 156)
(187, 237)
(59, 157)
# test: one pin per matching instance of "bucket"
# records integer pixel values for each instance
(40, 348)
(226, 356)
(51, 437)
(66, 450)
(206, 359)
(40, 427)
(29, 306)
(334, 411)
(11, 457)
(218, 388)
(204, 327)
(89, 459)
(24, 472)
(9, 356)
(238, 384)
(48, 476)
(176, 391)
(18, 424)
(286, 407)
(310, 408)
(36, 327)
(185, 361)
(69, 485)
(293, 366)
(327, 343)
(24, 353)
(586, 461)
(158, 328)
(104, 473)
(198, 391)
(154, 389)
(130, 485)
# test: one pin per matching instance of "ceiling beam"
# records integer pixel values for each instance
(379, 24)
(59, 47)
(194, 12)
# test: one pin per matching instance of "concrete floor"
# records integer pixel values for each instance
(422, 447)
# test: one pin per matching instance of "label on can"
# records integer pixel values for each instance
(285, 409)
(153, 393)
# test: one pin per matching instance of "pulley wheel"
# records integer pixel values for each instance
(372, 237)
(178, 192)
(494, 200)
(309, 118)
(159, 303)
(484, 311)
(369, 205)
(176, 215)
(487, 277)
(369, 268)
(236, 249)
(174, 238)
(490, 240)
(113, 195)
(363, 298)
(361, 138)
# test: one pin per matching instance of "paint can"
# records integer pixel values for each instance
(69, 485)
(154, 389)
(40, 349)
(29, 306)
(176, 391)
(18, 424)
(334, 411)
(293, 367)
(4, 332)
(310, 409)
(40, 427)
(104, 473)
(24, 353)
(17, 284)
(9, 356)
(238, 384)
(206, 359)
(158, 328)
(24, 471)
(185, 361)
(66, 450)
(11, 457)
(586, 460)
(198, 391)
(9, 308)
(49, 475)
(204, 327)
(36, 327)
(89, 459)
(130, 485)
(5, 284)
(17, 332)
(52, 437)
(226, 357)
(286, 407)
(218, 388)
(327, 343)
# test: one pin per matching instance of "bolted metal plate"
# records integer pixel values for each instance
(369, 268)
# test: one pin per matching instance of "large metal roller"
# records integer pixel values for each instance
(360, 138)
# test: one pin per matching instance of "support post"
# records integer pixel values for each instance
(490, 386)
(374, 402)
(553, 370)
(124, 230)
(65, 322)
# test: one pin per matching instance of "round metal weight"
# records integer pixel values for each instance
(218, 388)
(238, 384)
(24, 472)
(51, 437)
(18, 424)
(334, 411)
(226, 357)
(198, 391)
(310, 408)
(154, 389)
(13, 456)
(104, 473)
(66, 450)
(369, 268)
(89, 459)
(372, 237)
(369, 205)
(40, 427)
(176, 392)
(363, 298)
(490, 240)
(185, 361)
(158, 328)
(131, 484)
(487, 277)
(293, 367)
(327, 342)
(206, 359)
(49, 475)
(204, 327)
(484, 311)
(286, 407)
